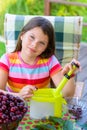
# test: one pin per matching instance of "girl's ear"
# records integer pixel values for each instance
(21, 37)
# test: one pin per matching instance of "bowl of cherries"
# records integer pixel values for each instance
(75, 107)
(12, 110)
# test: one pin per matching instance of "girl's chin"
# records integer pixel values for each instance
(30, 54)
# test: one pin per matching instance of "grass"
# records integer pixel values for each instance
(2, 48)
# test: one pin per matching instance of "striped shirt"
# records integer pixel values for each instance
(21, 74)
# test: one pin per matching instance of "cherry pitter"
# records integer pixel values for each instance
(49, 101)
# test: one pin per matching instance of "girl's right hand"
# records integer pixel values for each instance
(27, 91)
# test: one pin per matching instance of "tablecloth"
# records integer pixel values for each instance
(27, 123)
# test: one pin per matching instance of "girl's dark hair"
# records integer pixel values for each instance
(47, 28)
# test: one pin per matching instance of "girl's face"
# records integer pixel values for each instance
(34, 42)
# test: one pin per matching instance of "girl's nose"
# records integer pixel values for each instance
(34, 44)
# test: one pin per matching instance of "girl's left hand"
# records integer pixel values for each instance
(68, 66)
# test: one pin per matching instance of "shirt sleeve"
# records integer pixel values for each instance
(4, 64)
(54, 66)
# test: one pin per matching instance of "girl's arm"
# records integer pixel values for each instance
(3, 79)
(3, 82)
(69, 88)
(26, 92)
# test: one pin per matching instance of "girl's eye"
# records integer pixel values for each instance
(42, 43)
(31, 37)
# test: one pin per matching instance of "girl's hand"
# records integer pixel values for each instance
(68, 66)
(27, 91)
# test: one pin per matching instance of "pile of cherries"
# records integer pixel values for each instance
(11, 108)
(76, 111)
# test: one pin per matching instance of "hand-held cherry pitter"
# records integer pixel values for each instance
(49, 101)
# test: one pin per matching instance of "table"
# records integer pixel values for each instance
(28, 124)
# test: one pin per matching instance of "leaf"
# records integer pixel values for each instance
(84, 127)
(35, 129)
(68, 125)
(44, 127)
(56, 120)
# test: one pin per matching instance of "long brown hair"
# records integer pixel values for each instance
(47, 28)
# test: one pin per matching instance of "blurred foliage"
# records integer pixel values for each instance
(3, 49)
(69, 10)
(36, 7)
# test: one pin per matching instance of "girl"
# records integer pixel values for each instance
(33, 63)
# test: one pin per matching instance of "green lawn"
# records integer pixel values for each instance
(2, 48)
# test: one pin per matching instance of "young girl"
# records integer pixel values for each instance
(33, 63)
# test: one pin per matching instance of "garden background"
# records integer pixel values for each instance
(36, 7)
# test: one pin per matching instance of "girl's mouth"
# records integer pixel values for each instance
(32, 50)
